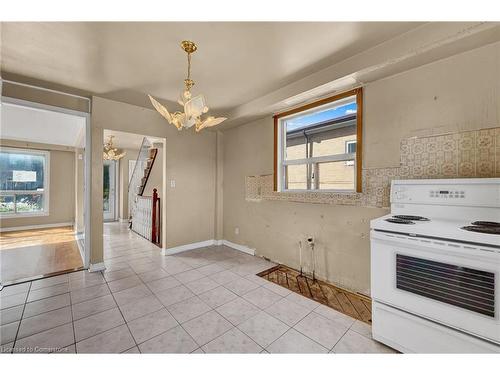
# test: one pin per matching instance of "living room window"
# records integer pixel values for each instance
(318, 146)
(24, 187)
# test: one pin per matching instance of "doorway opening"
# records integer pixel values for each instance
(43, 190)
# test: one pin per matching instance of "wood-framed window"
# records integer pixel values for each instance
(318, 147)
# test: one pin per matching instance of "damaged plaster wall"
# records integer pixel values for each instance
(455, 94)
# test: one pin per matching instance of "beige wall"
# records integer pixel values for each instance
(190, 161)
(459, 93)
(61, 188)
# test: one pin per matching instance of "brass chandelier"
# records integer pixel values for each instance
(110, 152)
(194, 107)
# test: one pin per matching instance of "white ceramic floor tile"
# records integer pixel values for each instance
(54, 339)
(13, 300)
(187, 276)
(210, 269)
(362, 328)
(287, 311)
(129, 295)
(262, 297)
(126, 283)
(207, 327)
(46, 304)
(334, 315)
(45, 321)
(92, 292)
(15, 289)
(353, 342)
(93, 306)
(118, 274)
(175, 340)
(163, 284)
(148, 326)
(49, 281)
(174, 295)
(202, 285)
(295, 342)
(263, 328)
(303, 301)
(116, 340)
(8, 332)
(238, 310)
(49, 291)
(188, 309)
(241, 286)
(97, 323)
(233, 341)
(277, 289)
(322, 330)
(153, 275)
(11, 314)
(224, 277)
(140, 307)
(217, 297)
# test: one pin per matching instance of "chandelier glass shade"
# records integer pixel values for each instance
(110, 152)
(194, 107)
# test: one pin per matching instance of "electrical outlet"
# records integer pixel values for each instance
(236, 230)
(172, 183)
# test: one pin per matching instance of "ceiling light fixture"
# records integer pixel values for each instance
(110, 152)
(194, 107)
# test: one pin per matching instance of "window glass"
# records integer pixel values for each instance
(319, 146)
(22, 181)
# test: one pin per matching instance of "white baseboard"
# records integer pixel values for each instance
(238, 247)
(123, 220)
(40, 226)
(189, 246)
(96, 267)
(197, 245)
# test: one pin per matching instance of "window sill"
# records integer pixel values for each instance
(325, 191)
(23, 215)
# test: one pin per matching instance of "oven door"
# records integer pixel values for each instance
(450, 283)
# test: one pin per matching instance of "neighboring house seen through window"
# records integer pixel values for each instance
(317, 147)
(23, 182)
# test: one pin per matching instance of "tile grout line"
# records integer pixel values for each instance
(118, 306)
(21, 319)
(73, 323)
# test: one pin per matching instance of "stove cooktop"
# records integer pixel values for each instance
(488, 227)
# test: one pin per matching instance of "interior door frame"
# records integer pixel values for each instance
(87, 160)
(113, 199)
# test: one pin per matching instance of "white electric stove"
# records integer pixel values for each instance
(435, 267)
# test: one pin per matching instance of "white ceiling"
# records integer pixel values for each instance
(235, 62)
(22, 123)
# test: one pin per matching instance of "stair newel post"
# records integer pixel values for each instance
(154, 200)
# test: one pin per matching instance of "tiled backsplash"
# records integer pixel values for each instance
(465, 154)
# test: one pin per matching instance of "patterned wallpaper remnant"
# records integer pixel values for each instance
(473, 153)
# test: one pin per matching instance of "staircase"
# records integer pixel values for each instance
(140, 211)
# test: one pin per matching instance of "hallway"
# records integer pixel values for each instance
(207, 300)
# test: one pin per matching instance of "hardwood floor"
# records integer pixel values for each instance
(349, 303)
(30, 253)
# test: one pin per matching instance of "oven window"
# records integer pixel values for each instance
(459, 286)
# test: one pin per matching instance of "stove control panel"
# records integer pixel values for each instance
(451, 194)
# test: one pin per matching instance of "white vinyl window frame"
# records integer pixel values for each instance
(46, 184)
(283, 162)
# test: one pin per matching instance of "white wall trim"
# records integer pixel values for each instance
(238, 247)
(197, 245)
(189, 246)
(121, 220)
(40, 226)
(97, 267)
